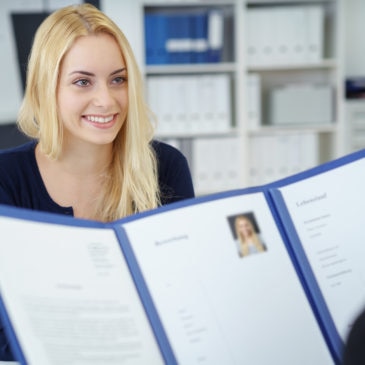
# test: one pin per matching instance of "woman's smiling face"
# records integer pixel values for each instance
(244, 227)
(92, 93)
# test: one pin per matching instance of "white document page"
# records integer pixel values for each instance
(328, 214)
(220, 308)
(71, 297)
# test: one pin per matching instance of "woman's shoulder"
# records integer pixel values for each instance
(17, 151)
(17, 157)
(174, 173)
(168, 154)
(164, 148)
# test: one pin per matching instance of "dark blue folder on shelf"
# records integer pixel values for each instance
(183, 37)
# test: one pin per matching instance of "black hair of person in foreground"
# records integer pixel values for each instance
(354, 351)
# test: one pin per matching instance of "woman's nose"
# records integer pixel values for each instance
(103, 96)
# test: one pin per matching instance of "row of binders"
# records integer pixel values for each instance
(183, 37)
(275, 156)
(214, 162)
(202, 104)
(190, 104)
(284, 35)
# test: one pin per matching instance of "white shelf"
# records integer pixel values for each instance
(287, 2)
(324, 64)
(231, 133)
(191, 68)
(288, 129)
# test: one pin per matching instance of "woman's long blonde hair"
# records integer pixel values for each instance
(132, 182)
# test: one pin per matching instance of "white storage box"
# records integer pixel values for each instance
(301, 104)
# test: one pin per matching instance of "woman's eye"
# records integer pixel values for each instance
(119, 80)
(82, 82)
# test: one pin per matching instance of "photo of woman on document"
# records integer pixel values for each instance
(247, 236)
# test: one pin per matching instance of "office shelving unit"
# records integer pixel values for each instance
(260, 151)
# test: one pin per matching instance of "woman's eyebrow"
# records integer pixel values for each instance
(118, 71)
(87, 73)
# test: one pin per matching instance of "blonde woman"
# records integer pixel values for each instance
(92, 153)
(248, 241)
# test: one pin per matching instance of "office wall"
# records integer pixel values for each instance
(354, 38)
(10, 85)
(11, 82)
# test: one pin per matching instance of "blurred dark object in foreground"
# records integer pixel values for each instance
(355, 88)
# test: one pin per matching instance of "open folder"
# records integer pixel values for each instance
(172, 286)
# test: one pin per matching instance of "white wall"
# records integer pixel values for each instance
(128, 16)
(354, 37)
(10, 79)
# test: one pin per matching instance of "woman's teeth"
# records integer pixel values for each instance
(99, 119)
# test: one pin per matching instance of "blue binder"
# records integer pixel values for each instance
(199, 22)
(156, 28)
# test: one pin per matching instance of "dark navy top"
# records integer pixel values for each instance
(21, 185)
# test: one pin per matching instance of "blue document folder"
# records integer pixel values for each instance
(183, 283)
